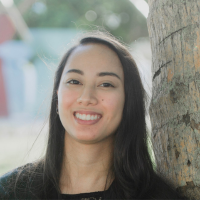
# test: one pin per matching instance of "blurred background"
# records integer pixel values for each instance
(34, 34)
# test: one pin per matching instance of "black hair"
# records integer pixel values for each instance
(132, 166)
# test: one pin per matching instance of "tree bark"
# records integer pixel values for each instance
(174, 30)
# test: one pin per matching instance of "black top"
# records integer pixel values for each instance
(87, 196)
(29, 187)
(7, 184)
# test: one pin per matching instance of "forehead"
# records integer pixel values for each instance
(95, 57)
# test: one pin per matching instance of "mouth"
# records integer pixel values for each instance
(87, 119)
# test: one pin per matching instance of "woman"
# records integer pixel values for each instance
(97, 146)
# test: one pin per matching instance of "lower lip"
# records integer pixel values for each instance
(86, 122)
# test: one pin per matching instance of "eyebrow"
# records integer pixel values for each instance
(99, 74)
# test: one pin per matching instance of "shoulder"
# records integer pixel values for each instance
(163, 189)
(8, 181)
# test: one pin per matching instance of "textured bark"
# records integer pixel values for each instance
(174, 30)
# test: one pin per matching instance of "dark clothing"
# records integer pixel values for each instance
(85, 196)
(7, 182)
(28, 187)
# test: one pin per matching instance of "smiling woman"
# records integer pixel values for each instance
(97, 145)
(98, 76)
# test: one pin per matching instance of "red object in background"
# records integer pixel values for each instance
(7, 30)
(3, 100)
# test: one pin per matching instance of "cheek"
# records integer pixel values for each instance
(67, 97)
(114, 103)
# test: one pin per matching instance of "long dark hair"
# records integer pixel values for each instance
(132, 165)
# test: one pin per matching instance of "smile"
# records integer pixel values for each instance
(87, 119)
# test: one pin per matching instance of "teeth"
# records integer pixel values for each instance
(83, 117)
(87, 117)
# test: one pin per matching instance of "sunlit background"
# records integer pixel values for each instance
(34, 34)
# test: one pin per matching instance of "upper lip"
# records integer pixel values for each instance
(87, 112)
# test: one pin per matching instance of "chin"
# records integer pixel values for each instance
(87, 138)
(92, 139)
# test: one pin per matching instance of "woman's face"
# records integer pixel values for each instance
(91, 94)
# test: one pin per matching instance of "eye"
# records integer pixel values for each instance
(107, 85)
(74, 82)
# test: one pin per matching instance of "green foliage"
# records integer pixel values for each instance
(120, 17)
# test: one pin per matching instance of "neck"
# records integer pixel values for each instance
(86, 167)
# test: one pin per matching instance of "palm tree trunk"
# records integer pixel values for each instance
(174, 30)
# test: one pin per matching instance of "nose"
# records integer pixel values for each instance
(87, 97)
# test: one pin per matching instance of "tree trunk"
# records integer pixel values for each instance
(174, 30)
